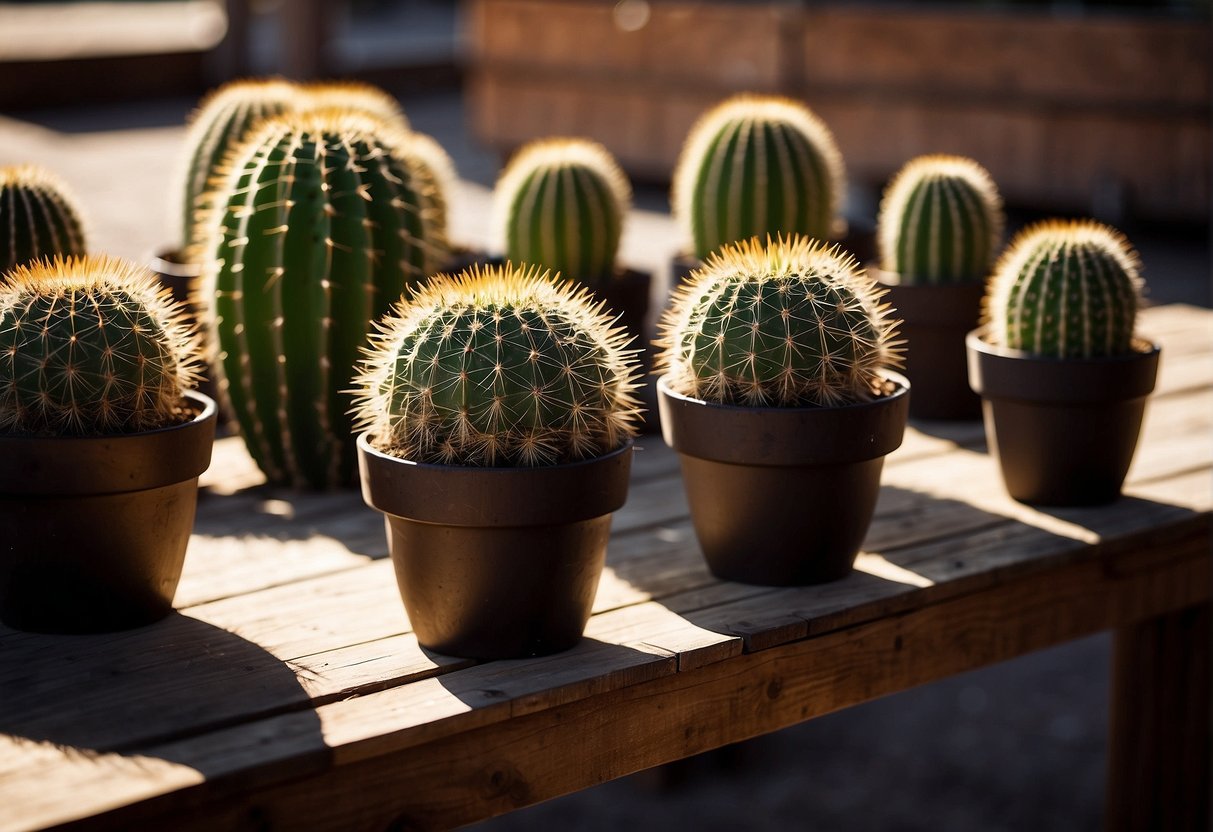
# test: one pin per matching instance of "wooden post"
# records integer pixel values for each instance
(1159, 760)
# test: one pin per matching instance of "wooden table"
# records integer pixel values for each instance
(290, 694)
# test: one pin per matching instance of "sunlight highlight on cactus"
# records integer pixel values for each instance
(38, 217)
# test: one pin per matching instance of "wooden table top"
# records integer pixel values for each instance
(289, 691)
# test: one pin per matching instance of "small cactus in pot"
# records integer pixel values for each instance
(1063, 377)
(104, 445)
(780, 399)
(499, 412)
(940, 225)
(38, 217)
(320, 223)
(758, 166)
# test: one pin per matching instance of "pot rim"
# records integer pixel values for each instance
(110, 463)
(785, 436)
(466, 495)
(167, 261)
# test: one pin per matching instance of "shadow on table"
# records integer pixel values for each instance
(135, 692)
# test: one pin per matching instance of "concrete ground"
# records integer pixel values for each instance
(1018, 746)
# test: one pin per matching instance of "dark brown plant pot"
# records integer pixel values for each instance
(782, 496)
(180, 277)
(1063, 430)
(496, 563)
(935, 321)
(93, 530)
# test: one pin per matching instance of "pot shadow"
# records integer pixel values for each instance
(139, 693)
(968, 433)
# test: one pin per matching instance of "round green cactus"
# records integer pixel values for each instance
(791, 323)
(317, 228)
(940, 221)
(91, 346)
(352, 95)
(560, 203)
(38, 217)
(757, 166)
(498, 367)
(1065, 289)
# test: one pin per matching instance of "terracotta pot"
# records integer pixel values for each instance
(782, 496)
(496, 563)
(1063, 430)
(935, 321)
(93, 530)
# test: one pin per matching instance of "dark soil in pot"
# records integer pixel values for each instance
(935, 321)
(782, 496)
(496, 563)
(93, 530)
(1063, 430)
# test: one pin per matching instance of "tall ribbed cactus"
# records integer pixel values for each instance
(91, 346)
(560, 203)
(791, 323)
(438, 177)
(317, 228)
(1065, 289)
(498, 367)
(38, 217)
(757, 166)
(940, 221)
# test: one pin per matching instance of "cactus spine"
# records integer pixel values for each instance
(318, 226)
(1065, 289)
(940, 221)
(38, 217)
(438, 177)
(791, 323)
(560, 203)
(91, 346)
(498, 367)
(757, 166)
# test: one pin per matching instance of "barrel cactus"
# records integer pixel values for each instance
(757, 166)
(317, 228)
(91, 346)
(792, 323)
(38, 217)
(352, 95)
(1065, 289)
(940, 222)
(561, 203)
(498, 367)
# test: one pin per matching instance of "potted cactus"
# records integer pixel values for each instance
(38, 217)
(102, 445)
(499, 416)
(1063, 378)
(757, 166)
(939, 228)
(779, 399)
(321, 221)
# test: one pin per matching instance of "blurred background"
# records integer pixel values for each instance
(1095, 108)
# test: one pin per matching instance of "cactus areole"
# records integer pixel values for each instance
(319, 225)
(38, 217)
(757, 166)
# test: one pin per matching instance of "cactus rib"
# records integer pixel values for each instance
(38, 217)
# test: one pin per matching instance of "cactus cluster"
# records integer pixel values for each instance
(757, 166)
(1065, 289)
(791, 323)
(91, 346)
(498, 367)
(317, 227)
(38, 217)
(560, 203)
(226, 117)
(941, 221)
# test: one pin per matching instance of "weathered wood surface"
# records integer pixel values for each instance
(290, 692)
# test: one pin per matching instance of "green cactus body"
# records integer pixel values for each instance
(498, 368)
(438, 177)
(317, 228)
(789, 324)
(1065, 289)
(91, 346)
(940, 221)
(560, 203)
(757, 166)
(38, 217)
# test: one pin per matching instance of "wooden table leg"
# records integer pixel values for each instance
(1159, 756)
